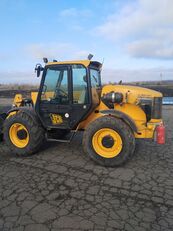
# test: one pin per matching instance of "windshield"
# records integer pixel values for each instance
(55, 87)
(95, 78)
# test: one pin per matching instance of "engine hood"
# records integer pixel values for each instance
(131, 93)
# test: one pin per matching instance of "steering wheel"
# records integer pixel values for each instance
(58, 93)
(65, 94)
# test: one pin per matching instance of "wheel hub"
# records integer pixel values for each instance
(19, 135)
(108, 141)
(22, 134)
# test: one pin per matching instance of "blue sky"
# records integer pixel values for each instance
(135, 38)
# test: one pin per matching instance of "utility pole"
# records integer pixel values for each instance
(161, 77)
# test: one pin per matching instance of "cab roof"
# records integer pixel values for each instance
(86, 63)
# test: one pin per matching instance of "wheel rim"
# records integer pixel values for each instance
(19, 135)
(107, 143)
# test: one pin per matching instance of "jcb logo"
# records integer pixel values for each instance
(56, 119)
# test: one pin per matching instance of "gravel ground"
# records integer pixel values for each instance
(60, 188)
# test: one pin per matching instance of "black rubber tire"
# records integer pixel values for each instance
(122, 129)
(2, 118)
(36, 133)
(1, 137)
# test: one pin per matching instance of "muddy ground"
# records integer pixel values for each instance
(60, 188)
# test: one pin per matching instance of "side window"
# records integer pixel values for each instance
(95, 78)
(55, 87)
(95, 85)
(80, 86)
(62, 87)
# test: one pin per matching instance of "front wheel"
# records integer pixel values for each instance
(23, 134)
(109, 141)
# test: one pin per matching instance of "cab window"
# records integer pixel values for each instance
(95, 78)
(80, 86)
(55, 87)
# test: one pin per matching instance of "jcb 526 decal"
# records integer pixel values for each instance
(56, 119)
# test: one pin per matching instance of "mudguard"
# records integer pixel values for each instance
(123, 116)
(28, 110)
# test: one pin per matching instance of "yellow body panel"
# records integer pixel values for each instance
(93, 116)
(17, 100)
(131, 96)
(134, 112)
(11, 114)
(145, 130)
(34, 97)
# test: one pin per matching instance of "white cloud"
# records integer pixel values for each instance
(142, 23)
(151, 48)
(82, 54)
(50, 50)
(53, 50)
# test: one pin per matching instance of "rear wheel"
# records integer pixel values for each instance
(1, 137)
(23, 134)
(109, 141)
(2, 118)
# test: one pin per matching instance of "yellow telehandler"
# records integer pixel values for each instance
(71, 98)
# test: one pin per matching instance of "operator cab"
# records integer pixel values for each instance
(69, 92)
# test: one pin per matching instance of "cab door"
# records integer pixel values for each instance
(55, 106)
(81, 94)
(64, 99)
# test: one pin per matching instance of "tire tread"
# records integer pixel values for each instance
(113, 123)
(36, 133)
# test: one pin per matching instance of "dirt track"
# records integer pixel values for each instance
(60, 188)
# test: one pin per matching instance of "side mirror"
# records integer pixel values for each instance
(38, 69)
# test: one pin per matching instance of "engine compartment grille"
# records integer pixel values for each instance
(152, 107)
